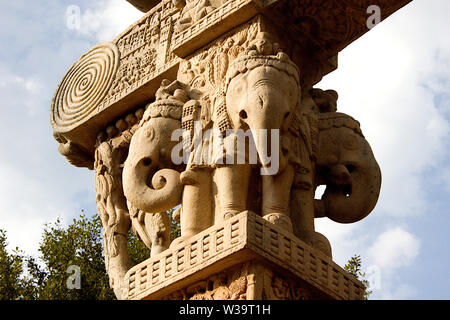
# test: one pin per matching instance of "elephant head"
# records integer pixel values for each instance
(262, 92)
(145, 186)
(347, 166)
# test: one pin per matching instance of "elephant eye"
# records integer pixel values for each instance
(350, 168)
(260, 102)
(147, 162)
(150, 133)
(350, 142)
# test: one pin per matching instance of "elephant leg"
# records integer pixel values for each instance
(302, 214)
(276, 192)
(196, 213)
(232, 188)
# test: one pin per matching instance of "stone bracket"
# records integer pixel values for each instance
(245, 237)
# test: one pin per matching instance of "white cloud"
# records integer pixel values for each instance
(399, 292)
(108, 19)
(25, 206)
(30, 87)
(396, 81)
(393, 249)
(37, 184)
(384, 81)
(344, 240)
(27, 202)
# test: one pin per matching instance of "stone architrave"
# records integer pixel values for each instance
(210, 107)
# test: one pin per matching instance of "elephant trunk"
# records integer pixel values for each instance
(267, 140)
(351, 195)
(346, 164)
(163, 194)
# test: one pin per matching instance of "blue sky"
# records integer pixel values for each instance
(395, 81)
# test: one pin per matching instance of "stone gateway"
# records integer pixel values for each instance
(241, 75)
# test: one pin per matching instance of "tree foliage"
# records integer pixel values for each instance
(13, 284)
(175, 230)
(353, 267)
(79, 244)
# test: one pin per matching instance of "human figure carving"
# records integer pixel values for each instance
(153, 229)
(112, 207)
(191, 12)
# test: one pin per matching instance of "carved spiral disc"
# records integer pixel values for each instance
(84, 87)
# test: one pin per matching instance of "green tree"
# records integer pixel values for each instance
(353, 267)
(80, 244)
(13, 284)
(175, 230)
(137, 250)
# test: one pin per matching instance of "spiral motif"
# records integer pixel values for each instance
(84, 87)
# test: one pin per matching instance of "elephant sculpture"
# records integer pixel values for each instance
(151, 182)
(154, 182)
(261, 94)
(343, 161)
(293, 148)
(347, 166)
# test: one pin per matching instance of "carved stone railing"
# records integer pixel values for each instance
(243, 238)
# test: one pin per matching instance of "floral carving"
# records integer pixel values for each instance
(227, 285)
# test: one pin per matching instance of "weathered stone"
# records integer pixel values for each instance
(242, 258)
(209, 106)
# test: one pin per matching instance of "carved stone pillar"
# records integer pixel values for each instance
(160, 114)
